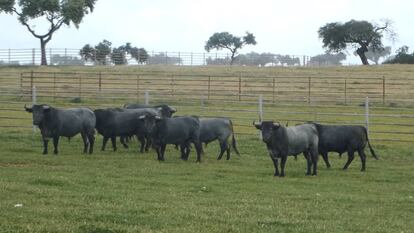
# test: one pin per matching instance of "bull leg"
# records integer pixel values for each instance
(148, 143)
(91, 139)
(198, 148)
(362, 155)
(275, 164)
(350, 158)
(184, 152)
(105, 140)
(325, 158)
(123, 140)
(141, 140)
(314, 157)
(55, 144)
(223, 147)
(163, 146)
(85, 142)
(113, 140)
(45, 143)
(158, 150)
(308, 163)
(282, 165)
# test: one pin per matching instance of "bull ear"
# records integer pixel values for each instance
(287, 123)
(46, 108)
(276, 125)
(258, 125)
(28, 109)
(142, 117)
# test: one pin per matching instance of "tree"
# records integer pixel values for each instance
(102, 50)
(361, 35)
(402, 57)
(88, 53)
(327, 59)
(56, 12)
(225, 40)
(59, 60)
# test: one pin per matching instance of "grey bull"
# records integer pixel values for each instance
(343, 138)
(220, 129)
(283, 141)
(54, 123)
(181, 131)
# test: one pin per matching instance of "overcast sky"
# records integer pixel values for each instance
(283, 27)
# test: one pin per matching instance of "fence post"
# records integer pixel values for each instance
(260, 112)
(9, 56)
(100, 82)
(274, 87)
(345, 92)
(309, 89)
(33, 56)
(54, 86)
(208, 90)
(383, 90)
(367, 114)
(172, 85)
(31, 82)
(240, 77)
(137, 88)
(146, 99)
(191, 58)
(34, 100)
(80, 86)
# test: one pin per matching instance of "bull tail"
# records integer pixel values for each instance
(369, 145)
(233, 139)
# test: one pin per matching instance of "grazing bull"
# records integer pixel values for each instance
(220, 129)
(283, 141)
(343, 138)
(178, 131)
(111, 123)
(165, 110)
(54, 122)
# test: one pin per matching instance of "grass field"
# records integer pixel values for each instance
(126, 191)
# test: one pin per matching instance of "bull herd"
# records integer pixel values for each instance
(154, 126)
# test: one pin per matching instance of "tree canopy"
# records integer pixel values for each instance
(225, 40)
(55, 12)
(361, 35)
(103, 53)
(402, 57)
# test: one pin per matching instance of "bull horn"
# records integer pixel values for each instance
(276, 124)
(173, 110)
(157, 117)
(45, 107)
(28, 109)
(257, 124)
(142, 117)
(159, 108)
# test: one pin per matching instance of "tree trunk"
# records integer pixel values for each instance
(361, 53)
(43, 61)
(232, 58)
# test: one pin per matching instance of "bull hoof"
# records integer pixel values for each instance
(282, 175)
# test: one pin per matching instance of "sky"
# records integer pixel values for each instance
(281, 27)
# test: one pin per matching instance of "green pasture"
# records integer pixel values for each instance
(126, 191)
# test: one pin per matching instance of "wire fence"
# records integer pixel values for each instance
(66, 56)
(242, 98)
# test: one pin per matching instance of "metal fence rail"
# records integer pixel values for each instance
(288, 100)
(66, 56)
